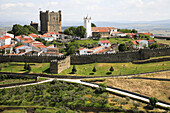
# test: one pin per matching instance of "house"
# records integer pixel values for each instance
(34, 36)
(22, 49)
(7, 48)
(140, 44)
(5, 40)
(104, 43)
(131, 35)
(54, 35)
(85, 51)
(119, 34)
(52, 51)
(104, 31)
(47, 38)
(96, 49)
(8, 34)
(148, 34)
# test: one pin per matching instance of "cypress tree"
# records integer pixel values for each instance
(111, 69)
(94, 69)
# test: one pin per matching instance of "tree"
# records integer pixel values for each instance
(122, 47)
(111, 69)
(153, 101)
(94, 69)
(93, 25)
(153, 46)
(29, 67)
(22, 30)
(134, 31)
(74, 70)
(72, 50)
(80, 31)
(25, 66)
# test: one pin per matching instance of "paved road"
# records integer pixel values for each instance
(49, 80)
(114, 91)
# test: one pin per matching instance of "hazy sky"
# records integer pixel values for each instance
(75, 10)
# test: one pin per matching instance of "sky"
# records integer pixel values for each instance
(76, 10)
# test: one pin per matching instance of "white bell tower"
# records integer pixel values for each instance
(87, 25)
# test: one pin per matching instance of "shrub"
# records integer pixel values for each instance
(153, 101)
(94, 69)
(74, 69)
(111, 69)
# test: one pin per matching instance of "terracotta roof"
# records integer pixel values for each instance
(33, 35)
(150, 40)
(52, 48)
(6, 46)
(102, 28)
(101, 31)
(103, 50)
(81, 49)
(104, 41)
(40, 46)
(136, 42)
(45, 36)
(4, 37)
(98, 47)
(28, 41)
(146, 34)
(19, 46)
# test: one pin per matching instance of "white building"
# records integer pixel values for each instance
(5, 40)
(85, 51)
(22, 49)
(104, 43)
(140, 44)
(87, 25)
(47, 38)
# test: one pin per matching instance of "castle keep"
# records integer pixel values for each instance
(50, 21)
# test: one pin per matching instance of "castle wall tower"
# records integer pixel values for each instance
(87, 25)
(35, 25)
(50, 21)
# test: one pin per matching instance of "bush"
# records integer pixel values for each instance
(74, 70)
(94, 69)
(111, 69)
(153, 101)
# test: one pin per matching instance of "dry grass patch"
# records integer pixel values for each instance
(151, 88)
(164, 75)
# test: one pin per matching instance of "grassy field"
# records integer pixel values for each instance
(9, 81)
(151, 88)
(86, 70)
(15, 111)
(163, 41)
(112, 40)
(119, 68)
(18, 67)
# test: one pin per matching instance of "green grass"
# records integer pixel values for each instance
(86, 70)
(112, 40)
(119, 68)
(10, 81)
(18, 67)
(14, 111)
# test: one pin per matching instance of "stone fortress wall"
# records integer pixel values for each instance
(58, 64)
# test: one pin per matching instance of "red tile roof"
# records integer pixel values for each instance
(104, 41)
(102, 28)
(102, 31)
(150, 40)
(103, 50)
(81, 49)
(51, 33)
(146, 34)
(33, 35)
(136, 42)
(6, 46)
(19, 46)
(40, 46)
(5, 37)
(98, 47)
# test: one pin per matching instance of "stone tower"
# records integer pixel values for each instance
(50, 21)
(87, 25)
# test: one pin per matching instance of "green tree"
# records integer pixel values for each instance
(29, 67)
(74, 70)
(122, 47)
(93, 25)
(153, 101)
(94, 69)
(153, 46)
(70, 31)
(111, 69)
(20, 30)
(134, 31)
(80, 31)
(25, 66)
(72, 50)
